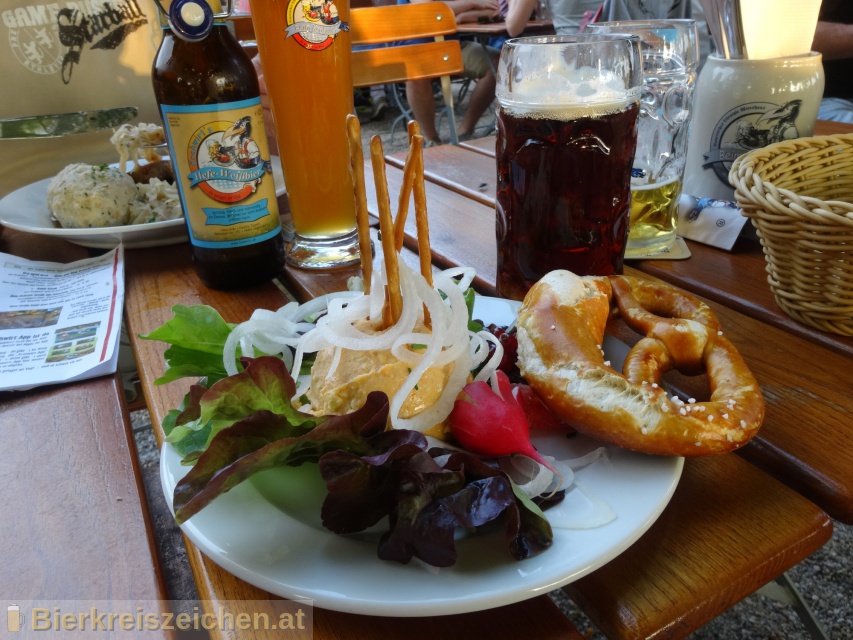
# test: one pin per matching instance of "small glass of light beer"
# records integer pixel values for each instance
(567, 113)
(670, 61)
(304, 47)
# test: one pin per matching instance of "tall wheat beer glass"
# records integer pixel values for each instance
(305, 54)
(567, 114)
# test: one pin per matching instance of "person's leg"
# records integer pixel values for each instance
(480, 100)
(422, 102)
(475, 59)
(378, 101)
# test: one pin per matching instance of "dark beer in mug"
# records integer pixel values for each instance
(567, 133)
(563, 192)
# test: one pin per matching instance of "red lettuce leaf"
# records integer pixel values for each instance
(265, 383)
(192, 407)
(363, 489)
(421, 525)
(425, 500)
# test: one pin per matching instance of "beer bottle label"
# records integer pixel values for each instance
(221, 159)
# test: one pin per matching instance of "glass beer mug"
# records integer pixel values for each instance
(567, 115)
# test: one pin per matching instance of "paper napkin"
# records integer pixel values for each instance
(709, 221)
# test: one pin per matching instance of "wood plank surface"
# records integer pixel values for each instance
(158, 280)
(391, 65)
(804, 438)
(380, 24)
(828, 128)
(36, 247)
(489, 29)
(666, 585)
(470, 175)
(738, 279)
(76, 523)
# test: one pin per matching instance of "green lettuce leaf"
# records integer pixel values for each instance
(265, 440)
(263, 385)
(197, 335)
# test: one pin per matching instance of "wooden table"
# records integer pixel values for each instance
(729, 529)
(482, 32)
(493, 29)
(75, 521)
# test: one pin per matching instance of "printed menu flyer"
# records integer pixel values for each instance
(59, 322)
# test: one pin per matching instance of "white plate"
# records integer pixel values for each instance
(288, 553)
(26, 210)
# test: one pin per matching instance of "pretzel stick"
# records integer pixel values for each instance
(386, 228)
(421, 218)
(414, 130)
(356, 160)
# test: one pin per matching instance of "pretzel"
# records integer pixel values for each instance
(560, 331)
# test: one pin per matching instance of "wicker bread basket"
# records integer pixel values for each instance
(799, 196)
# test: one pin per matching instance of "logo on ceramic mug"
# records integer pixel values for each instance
(314, 24)
(746, 127)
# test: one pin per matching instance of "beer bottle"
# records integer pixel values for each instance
(209, 98)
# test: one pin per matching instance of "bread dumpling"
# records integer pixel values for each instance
(88, 196)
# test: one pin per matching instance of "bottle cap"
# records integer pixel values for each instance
(191, 20)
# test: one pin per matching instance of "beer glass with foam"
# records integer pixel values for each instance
(305, 53)
(567, 113)
(670, 59)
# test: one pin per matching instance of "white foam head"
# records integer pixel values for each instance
(551, 77)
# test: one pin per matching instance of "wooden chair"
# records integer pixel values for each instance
(389, 65)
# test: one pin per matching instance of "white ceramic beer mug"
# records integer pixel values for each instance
(740, 105)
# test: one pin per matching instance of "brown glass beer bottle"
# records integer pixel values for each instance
(209, 98)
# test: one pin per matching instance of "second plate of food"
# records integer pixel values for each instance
(26, 210)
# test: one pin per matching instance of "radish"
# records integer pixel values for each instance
(538, 415)
(492, 424)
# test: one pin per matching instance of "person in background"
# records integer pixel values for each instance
(420, 95)
(645, 10)
(834, 39)
(371, 103)
(62, 57)
(570, 16)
